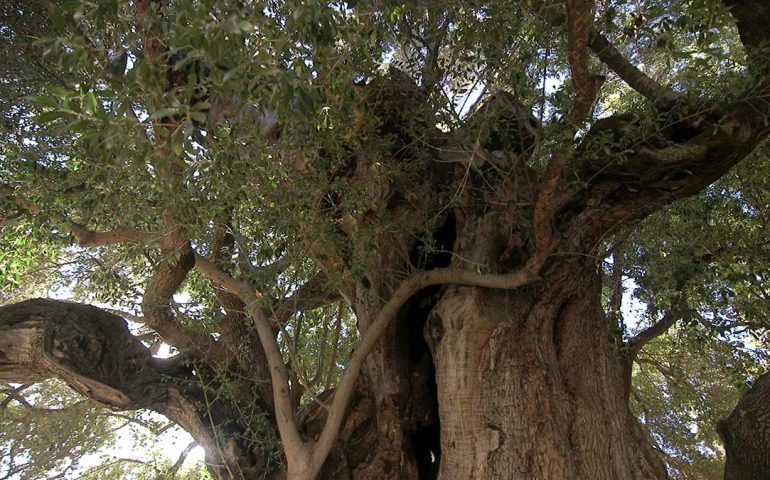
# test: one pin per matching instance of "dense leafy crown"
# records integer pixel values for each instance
(288, 147)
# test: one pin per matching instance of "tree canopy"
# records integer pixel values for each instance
(289, 196)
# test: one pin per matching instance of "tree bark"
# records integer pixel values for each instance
(746, 434)
(94, 353)
(530, 384)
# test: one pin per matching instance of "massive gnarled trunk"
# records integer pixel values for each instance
(478, 383)
(529, 385)
(746, 434)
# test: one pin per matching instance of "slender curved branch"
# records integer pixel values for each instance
(162, 285)
(296, 451)
(90, 238)
(213, 273)
(302, 458)
(235, 324)
(527, 274)
(221, 244)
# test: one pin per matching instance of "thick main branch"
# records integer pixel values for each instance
(93, 351)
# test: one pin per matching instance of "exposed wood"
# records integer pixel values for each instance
(93, 351)
(296, 451)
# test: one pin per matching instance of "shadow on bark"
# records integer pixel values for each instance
(746, 434)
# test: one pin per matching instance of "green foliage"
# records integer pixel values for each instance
(49, 415)
(255, 117)
(48, 431)
(706, 260)
(683, 384)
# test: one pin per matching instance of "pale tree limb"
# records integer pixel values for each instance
(210, 271)
(296, 451)
(234, 327)
(235, 310)
(305, 460)
(91, 238)
(294, 448)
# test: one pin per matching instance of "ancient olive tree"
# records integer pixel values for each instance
(246, 180)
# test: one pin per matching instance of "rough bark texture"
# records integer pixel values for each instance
(746, 434)
(94, 352)
(528, 383)
(88, 348)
